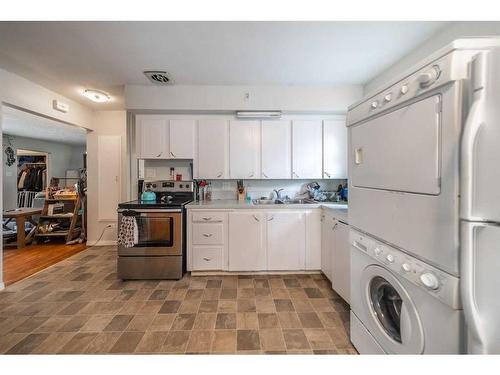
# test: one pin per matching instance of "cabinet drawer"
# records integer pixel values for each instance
(208, 217)
(208, 234)
(207, 258)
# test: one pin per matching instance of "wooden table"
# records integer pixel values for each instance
(21, 215)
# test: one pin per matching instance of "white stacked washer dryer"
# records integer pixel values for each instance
(424, 176)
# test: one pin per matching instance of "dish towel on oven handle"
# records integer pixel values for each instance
(129, 233)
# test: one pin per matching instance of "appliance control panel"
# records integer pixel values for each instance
(438, 283)
(170, 186)
(431, 76)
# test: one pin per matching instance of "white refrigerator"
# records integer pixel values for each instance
(480, 207)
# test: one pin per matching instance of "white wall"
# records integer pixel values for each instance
(20, 92)
(62, 157)
(455, 31)
(105, 123)
(231, 98)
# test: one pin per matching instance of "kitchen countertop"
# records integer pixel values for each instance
(340, 209)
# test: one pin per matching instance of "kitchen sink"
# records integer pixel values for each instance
(264, 201)
(279, 202)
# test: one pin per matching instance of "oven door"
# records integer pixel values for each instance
(160, 233)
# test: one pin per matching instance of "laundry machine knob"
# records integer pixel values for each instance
(374, 104)
(390, 258)
(429, 280)
(429, 77)
(406, 267)
(377, 251)
(388, 98)
(404, 89)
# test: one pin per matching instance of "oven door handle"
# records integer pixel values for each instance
(160, 210)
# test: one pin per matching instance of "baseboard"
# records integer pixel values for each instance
(228, 273)
(101, 243)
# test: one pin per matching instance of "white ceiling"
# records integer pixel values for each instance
(24, 124)
(70, 56)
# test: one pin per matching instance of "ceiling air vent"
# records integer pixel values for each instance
(158, 77)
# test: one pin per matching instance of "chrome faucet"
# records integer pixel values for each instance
(278, 194)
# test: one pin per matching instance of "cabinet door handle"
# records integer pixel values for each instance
(256, 218)
(334, 226)
(171, 153)
(251, 175)
(207, 218)
(207, 259)
(219, 175)
(265, 175)
(295, 174)
(207, 234)
(159, 154)
(272, 218)
(327, 174)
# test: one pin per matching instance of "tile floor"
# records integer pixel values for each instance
(78, 306)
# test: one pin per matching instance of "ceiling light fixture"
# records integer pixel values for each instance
(96, 95)
(258, 114)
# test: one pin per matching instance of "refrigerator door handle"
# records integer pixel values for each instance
(475, 120)
(476, 342)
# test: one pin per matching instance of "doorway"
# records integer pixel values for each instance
(44, 192)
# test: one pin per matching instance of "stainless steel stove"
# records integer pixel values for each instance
(160, 249)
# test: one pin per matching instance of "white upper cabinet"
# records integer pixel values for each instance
(212, 161)
(151, 137)
(334, 149)
(181, 139)
(244, 149)
(307, 146)
(276, 149)
(286, 240)
(247, 249)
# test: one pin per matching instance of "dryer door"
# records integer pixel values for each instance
(393, 318)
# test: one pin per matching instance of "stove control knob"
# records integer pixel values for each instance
(180, 186)
(390, 258)
(388, 98)
(377, 251)
(406, 267)
(374, 104)
(404, 89)
(429, 280)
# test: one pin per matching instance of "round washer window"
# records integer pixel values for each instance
(387, 304)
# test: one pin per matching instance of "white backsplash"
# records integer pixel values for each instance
(226, 189)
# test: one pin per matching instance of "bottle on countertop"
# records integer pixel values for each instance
(208, 192)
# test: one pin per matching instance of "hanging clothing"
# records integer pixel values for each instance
(32, 178)
(22, 178)
(129, 232)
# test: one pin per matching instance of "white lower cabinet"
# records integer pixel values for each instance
(327, 243)
(208, 258)
(262, 240)
(341, 263)
(207, 240)
(313, 240)
(335, 254)
(247, 250)
(286, 240)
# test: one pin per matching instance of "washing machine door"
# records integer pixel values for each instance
(393, 319)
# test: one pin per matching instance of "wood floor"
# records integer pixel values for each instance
(21, 263)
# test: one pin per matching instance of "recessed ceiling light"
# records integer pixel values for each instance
(96, 95)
